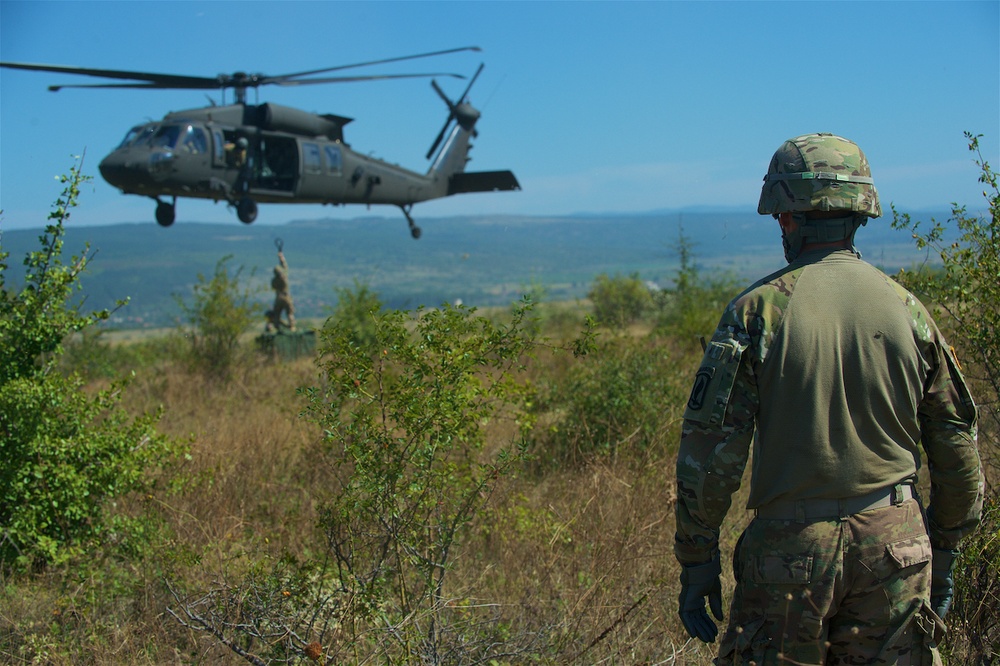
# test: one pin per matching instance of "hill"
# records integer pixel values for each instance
(485, 260)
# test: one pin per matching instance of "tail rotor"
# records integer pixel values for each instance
(461, 112)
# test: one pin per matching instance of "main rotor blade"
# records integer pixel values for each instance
(350, 79)
(174, 80)
(238, 80)
(146, 86)
(376, 62)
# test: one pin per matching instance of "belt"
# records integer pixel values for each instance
(824, 509)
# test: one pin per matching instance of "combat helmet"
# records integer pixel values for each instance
(819, 173)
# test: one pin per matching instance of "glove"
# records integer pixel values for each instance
(698, 582)
(942, 580)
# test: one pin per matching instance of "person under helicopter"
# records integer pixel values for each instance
(282, 297)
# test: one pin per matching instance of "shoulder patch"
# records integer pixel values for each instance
(714, 381)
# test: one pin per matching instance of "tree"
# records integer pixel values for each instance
(691, 309)
(66, 455)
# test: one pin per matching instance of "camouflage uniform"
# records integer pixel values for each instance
(835, 373)
(282, 297)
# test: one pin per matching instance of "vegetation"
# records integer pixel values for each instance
(619, 301)
(965, 290)
(67, 457)
(442, 486)
(356, 313)
(693, 306)
(220, 313)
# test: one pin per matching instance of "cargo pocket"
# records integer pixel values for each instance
(783, 569)
(910, 552)
(901, 561)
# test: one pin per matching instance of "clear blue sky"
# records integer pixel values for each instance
(596, 106)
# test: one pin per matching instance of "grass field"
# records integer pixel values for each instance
(568, 560)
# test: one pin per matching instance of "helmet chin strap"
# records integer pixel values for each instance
(819, 231)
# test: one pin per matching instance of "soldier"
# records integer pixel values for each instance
(236, 153)
(282, 297)
(836, 373)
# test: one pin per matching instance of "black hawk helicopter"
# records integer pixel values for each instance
(247, 154)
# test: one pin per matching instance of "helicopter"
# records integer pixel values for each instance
(245, 154)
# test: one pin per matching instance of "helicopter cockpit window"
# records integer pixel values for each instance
(137, 135)
(194, 141)
(166, 136)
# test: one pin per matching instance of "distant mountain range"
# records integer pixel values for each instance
(482, 260)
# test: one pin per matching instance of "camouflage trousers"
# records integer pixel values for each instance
(842, 591)
(282, 304)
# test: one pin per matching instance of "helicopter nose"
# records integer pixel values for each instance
(122, 171)
(114, 170)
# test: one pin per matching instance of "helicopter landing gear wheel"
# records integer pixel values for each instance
(414, 229)
(246, 210)
(165, 212)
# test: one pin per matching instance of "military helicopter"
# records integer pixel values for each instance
(245, 154)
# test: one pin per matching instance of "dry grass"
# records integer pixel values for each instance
(577, 561)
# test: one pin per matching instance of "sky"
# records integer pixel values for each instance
(595, 106)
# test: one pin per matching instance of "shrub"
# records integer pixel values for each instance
(66, 455)
(356, 312)
(405, 421)
(619, 301)
(966, 288)
(691, 309)
(625, 392)
(220, 313)
(966, 293)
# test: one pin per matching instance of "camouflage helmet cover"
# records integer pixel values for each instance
(819, 172)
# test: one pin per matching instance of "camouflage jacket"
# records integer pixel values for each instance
(280, 280)
(835, 373)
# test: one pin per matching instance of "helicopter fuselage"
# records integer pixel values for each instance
(185, 155)
(245, 154)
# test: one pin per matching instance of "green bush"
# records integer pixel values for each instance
(691, 309)
(966, 292)
(405, 414)
(356, 312)
(405, 426)
(66, 455)
(966, 288)
(91, 356)
(625, 392)
(220, 313)
(619, 301)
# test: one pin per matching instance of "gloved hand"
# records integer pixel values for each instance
(698, 582)
(942, 580)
